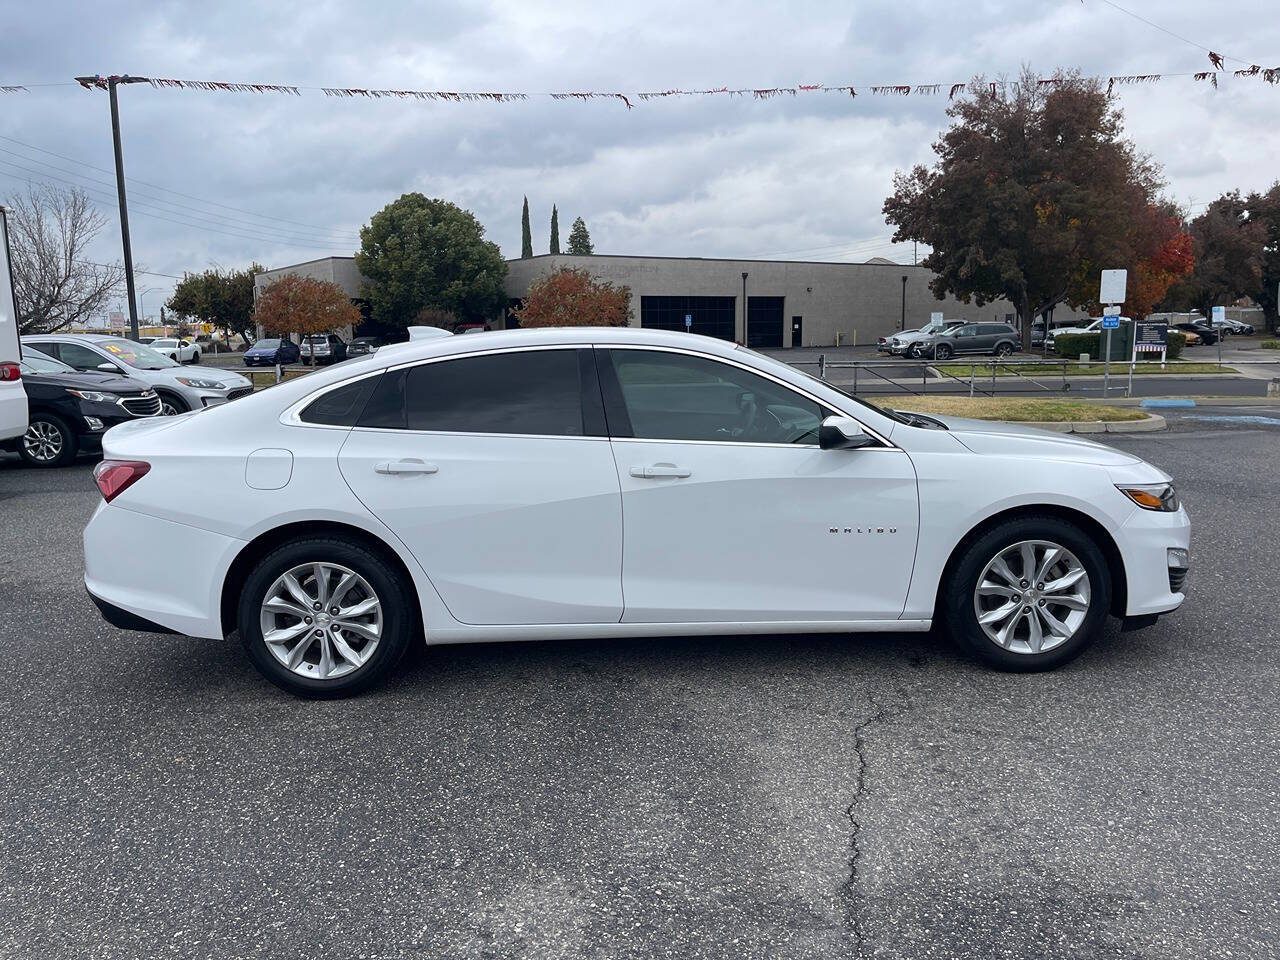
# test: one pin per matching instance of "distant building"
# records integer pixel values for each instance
(789, 303)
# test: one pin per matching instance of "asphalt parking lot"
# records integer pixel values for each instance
(739, 797)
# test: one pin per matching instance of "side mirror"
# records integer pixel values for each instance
(109, 368)
(843, 433)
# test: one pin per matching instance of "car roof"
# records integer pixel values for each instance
(91, 337)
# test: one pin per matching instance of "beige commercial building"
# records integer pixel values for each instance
(788, 303)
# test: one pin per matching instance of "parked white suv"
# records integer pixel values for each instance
(180, 390)
(612, 482)
(13, 396)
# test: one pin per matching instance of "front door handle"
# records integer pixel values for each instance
(657, 471)
(404, 466)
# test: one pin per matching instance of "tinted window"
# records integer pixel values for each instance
(965, 331)
(675, 396)
(523, 392)
(80, 357)
(341, 407)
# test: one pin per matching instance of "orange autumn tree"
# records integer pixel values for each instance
(574, 298)
(304, 305)
(1166, 258)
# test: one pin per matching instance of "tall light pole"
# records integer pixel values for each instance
(744, 307)
(142, 310)
(903, 324)
(109, 84)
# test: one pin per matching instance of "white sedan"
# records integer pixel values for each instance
(612, 483)
(180, 350)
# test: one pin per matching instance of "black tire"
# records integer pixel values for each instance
(44, 429)
(956, 603)
(913, 352)
(396, 598)
(1004, 349)
(195, 357)
(943, 351)
(306, 361)
(173, 401)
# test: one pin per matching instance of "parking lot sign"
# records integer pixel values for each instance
(1111, 322)
(1112, 288)
(688, 321)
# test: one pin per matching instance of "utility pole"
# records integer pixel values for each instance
(109, 84)
(744, 308)
(903, 324)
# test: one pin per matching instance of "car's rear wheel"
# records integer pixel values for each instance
(1030, 594)
(325, 618)
(942, 351)
(48, 442)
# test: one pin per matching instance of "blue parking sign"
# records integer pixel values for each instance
(688, 321)
(1110, 323)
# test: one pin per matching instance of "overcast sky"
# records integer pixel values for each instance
(795, 178)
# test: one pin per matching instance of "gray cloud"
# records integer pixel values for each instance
(714, 176)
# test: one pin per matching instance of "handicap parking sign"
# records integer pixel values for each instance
(688, 320)
(1110, 323)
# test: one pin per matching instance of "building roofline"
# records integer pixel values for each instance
(630, 256)
(305, 263)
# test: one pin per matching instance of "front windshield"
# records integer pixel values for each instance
(266, 344)
(164, 343)
(136, 354)
(33, 361)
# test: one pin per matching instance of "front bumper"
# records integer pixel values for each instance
(1145, 540)
(165, 573)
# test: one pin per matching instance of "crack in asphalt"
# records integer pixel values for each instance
(880, 713)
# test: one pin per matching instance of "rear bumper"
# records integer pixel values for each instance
(167, 575)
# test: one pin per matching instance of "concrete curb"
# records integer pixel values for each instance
(1152, 422)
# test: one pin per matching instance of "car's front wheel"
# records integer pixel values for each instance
(171, 404)
(325, 618)
(942, 351)
(195, 357)
(1030, 594)
(48, 442)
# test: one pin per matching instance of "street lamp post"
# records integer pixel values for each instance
(142, 310)
(903, 324)
(744, 307)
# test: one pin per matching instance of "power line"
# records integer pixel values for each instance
(213, 203)
(1166, 30)
(184, 222)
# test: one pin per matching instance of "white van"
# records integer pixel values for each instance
(13, 397)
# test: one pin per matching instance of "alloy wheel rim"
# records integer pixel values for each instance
(167, 409)
(321, 620)
(1032, 597)
(42, 441)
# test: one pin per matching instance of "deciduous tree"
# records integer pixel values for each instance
(1229, 246)
(1166, 257)
(580, 240)
(419, 252)
(1033, 194)
(1265, 208)
(55, 283)
(574, 298)
(223, 298)
(304, 305)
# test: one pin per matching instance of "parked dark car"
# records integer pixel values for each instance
(999, 339)
(362, 346)
(69, 410)
(268, 352)
(323, 348)
(1207, 334)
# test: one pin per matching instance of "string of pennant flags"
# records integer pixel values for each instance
(1269, 75)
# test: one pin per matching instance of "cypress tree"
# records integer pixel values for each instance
(526, 237)
(555, 230)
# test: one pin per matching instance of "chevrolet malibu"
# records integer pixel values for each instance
(593, 483)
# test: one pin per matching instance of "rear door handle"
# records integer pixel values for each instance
(657, 471)
(404, 466)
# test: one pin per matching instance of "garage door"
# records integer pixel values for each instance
(764, 321)
(712, 316)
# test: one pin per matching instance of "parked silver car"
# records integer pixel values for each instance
(180, 389)
(907, 343)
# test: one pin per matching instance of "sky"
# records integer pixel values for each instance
(229, 178)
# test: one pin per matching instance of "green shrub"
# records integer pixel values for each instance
(1176, 340)
(1270, 345)
(1073, 344)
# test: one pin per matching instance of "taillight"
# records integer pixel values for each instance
(114, 477)
(10, 372)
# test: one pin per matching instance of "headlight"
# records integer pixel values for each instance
(93, 396)
(1152, 496)
(201, 384)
